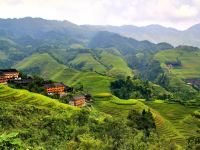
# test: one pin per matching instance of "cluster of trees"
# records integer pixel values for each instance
(137, 88)
(176, 63)
(142, 121)
(36, 85)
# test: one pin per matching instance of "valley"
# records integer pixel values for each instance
(155, 81)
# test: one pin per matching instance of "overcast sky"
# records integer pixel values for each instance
(180, 14)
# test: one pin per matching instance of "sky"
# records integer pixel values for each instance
(180, 14)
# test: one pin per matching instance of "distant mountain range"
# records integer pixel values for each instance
(155, 33)
(28, 30)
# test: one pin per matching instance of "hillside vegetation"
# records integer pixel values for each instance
(174, 122)
(32, 121)
(189, 58)
(36, 122)
(42, 64)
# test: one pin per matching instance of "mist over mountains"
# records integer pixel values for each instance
(24, 30)
(155, 33)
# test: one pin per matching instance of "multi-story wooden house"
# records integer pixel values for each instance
(2, 79)
(54, 88)
(8, 74)
(78, 101)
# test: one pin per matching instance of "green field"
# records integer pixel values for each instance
(25, 97)
(91, 81)
(49, 68)
(190, 60)
(38, 122)
(118, 67)
(44, 64)
(173, 121)
(87, 62)
(179, 117)
(104, 61)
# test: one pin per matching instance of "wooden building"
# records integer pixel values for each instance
(54, 88)
(78, 101)
(2, 79)
(9, 73)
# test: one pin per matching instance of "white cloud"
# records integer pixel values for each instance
(176, 13)
(186, 11)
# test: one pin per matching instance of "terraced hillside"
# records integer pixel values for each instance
(117, 66)
(92, 82)
(8, 94)
(40, 64)
(178, 115)
(33, 121)
(104, 61)
(44, 65)
(173, 121)
(87, 62)
(187, 57)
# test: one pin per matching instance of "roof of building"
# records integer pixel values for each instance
(55, 84)
(24, 81)
(7, 70)
(78, 97)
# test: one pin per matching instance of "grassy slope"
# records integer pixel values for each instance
(178, 117)
(102, 61)
(173, 121)
(37, 118)
(48, 67)
(117, 64)
(89, 63)
(51, 69)
(91, 81)
(25, 97)
(190, 62)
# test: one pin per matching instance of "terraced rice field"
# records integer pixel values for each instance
(25, 97)
(190, 60)
(173, 121)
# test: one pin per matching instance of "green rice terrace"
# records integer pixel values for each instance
(173, 121)
(188, 57)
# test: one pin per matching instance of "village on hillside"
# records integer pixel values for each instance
(49, 88)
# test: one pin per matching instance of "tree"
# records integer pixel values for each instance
(163, 80)
(10, 141)
(141, 121)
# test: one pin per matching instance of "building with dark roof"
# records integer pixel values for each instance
(78, 101)
(9, 73)
(56, 87)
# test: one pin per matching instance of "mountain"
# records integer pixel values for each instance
(106, 39)
(37, 31)
(30, 31)
(154, 33)
(40, 64)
